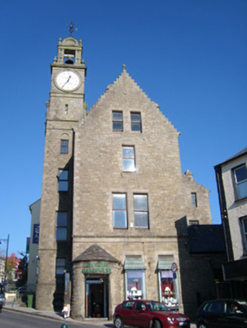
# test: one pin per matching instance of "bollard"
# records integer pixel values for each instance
(64, 326)
(13, 303)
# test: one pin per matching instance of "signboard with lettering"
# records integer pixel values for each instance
(96, 268)
(35, 233)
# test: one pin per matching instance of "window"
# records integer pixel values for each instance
(129, 159)
(194, 199)
(134, 277)
(139, 306)
(141, 210)
(216, 307)
(128, 305)
(60, 266)
(136, 122)
(240, 178)
(168, 282)
(135, 284)
(61, 232)
(193, 222)
(64, 146)
(63, 182)
(119, 211)
(117, 121)
(244, 229)
(60, 269)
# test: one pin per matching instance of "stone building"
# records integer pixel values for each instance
(115, 204)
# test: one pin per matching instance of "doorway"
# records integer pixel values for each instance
(96, 297)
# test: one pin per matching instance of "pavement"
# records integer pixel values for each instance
(16, 307)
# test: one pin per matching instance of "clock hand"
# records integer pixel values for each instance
(66, 81)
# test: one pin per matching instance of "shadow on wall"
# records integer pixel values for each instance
(63, 232)
(196, 272)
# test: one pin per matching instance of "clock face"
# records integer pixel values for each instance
(67, 80)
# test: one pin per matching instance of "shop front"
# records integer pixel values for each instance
(92, 271)
(168, 282)
(100, 282)
(96, 289)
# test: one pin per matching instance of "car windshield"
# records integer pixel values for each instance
(156, 306)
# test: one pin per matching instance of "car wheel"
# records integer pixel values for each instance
(156, 324)
(118, 323)
(202, 325)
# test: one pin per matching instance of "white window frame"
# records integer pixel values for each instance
(128, 153)
(115, 209)
(240, 194)
(138, 211)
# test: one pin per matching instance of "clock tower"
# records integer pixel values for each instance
(65, 108)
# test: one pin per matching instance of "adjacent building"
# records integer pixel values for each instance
(231, 176)
(115, 205)
(33, 246)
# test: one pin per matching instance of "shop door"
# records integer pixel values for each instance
(96, 297)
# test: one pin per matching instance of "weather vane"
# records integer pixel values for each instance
(71, 28)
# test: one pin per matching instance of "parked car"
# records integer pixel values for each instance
(150, 314)
(222, 313)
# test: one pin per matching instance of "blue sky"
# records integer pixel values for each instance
(189, 56)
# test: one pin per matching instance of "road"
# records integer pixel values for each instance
(9, 319)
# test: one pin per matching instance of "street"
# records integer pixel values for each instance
(10, 319)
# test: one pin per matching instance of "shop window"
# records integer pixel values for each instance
(119, 211)
(117, 121)
(141, 210)
(136, 124)
(135, 284)
(64, 147)
(194, 199)
(129, 159)
(168, 282)
(61, 231)
(244, 232)
(63, 180)
(240, 179)
(135, 277)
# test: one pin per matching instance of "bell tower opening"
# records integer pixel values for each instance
(69, 56)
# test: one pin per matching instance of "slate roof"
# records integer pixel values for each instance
(95, 253)
(206, 239)
(239, 154)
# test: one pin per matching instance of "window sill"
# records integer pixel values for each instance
(241, 200)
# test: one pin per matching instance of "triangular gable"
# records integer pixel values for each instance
(95, 253)
(125, 93)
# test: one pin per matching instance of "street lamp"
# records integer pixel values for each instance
(6, 259)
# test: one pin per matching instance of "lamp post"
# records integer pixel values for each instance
(6, 259)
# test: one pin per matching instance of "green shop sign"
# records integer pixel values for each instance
(96, 268)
